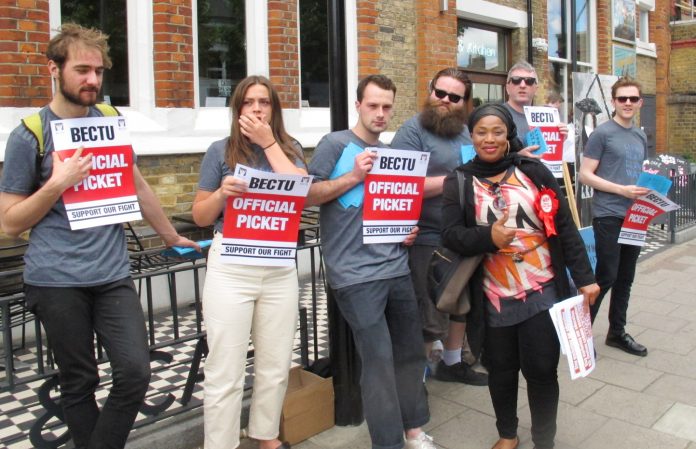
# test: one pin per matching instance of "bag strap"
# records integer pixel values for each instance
(461, 180)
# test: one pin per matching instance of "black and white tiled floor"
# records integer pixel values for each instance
(20, 408)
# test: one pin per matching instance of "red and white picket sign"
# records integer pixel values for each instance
(108, 194)
(643, 210)
(393, 194)
(547, 120)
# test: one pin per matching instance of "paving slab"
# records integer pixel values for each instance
(659, 322)
(681, 365)
(574, 424)
(680, 421)
(616, 434)
(675, 388)
(626, 375)
(469, 430)
(681, 342)
(627, 405)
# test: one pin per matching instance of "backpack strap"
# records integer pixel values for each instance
(107, 110)
(34, 125)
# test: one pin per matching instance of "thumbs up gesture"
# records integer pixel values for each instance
(501, 235)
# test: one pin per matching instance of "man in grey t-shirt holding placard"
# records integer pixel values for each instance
(371, 283)
(78, 282)
(613, 160)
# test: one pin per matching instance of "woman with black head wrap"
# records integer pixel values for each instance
(514, 214)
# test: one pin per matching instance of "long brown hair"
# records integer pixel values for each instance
(239, 148)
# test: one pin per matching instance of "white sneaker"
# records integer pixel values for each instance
(422, 441)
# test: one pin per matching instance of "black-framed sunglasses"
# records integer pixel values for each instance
(622, 99)
(499, 202)
(454, 98)
(517, 80)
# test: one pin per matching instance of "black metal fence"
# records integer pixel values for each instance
(176, 339)
(683, 193)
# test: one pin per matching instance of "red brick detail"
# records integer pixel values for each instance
(24, 35)
(368, 46)
(687, 43)
(436, 42)
(284, 50)
(173, 53)
(660, 34)
(604, 42)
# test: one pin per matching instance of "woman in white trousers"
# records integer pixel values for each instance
(240, 301)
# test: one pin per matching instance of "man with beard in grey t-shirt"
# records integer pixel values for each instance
(78, 282)
(371, 283)
(440, 129)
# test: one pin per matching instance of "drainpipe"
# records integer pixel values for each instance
(530, 17)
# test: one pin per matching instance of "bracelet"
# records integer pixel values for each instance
(269, 146)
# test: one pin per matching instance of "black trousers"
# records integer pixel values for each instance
(616, 269)
(70, 317)
(531, 347)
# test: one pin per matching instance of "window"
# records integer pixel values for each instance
(562, 40)
(314, 53)
(481, 48)
(111, 19)
(221, 49)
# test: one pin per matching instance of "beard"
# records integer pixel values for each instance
(75, 99)
(447, 124)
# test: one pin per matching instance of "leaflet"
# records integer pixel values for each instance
(574, 329)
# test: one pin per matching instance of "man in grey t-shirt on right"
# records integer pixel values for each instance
(613, 160)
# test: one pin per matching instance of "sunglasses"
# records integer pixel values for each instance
(517, 80)
(623, 99)
(454, 98)
(499, 201)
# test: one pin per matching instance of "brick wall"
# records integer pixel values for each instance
(24, 34)
(396, 41)
(682, 125)
(436, 42)
(604, 51)
(173, 178)
(660, 34)
(682, 99)
(173, 53)
(645, 74)
(284, 49)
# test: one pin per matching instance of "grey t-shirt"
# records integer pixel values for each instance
(620, 152)
(348, 260)
(520, 122)
(57, 256)
(214, 168)
(445, 156)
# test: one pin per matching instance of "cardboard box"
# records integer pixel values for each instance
(308, 407)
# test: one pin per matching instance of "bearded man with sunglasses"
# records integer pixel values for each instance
(440, 129)
(613, 160)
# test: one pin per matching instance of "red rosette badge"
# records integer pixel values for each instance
(546, 206)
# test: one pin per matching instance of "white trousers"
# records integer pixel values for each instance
(240, 300)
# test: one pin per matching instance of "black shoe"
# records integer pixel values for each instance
(627, 344)
(460, 372)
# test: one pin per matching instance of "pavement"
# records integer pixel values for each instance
(628, 402)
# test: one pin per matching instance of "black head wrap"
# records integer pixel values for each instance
(477, 167)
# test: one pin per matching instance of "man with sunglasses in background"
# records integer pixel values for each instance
(613, 160)
(522, 84)
(440, 129)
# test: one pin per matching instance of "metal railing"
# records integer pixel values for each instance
(683, 193)
(35, 366)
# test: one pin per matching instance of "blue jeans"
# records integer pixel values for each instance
(616, 269)
(71, 316)
(386, 325)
